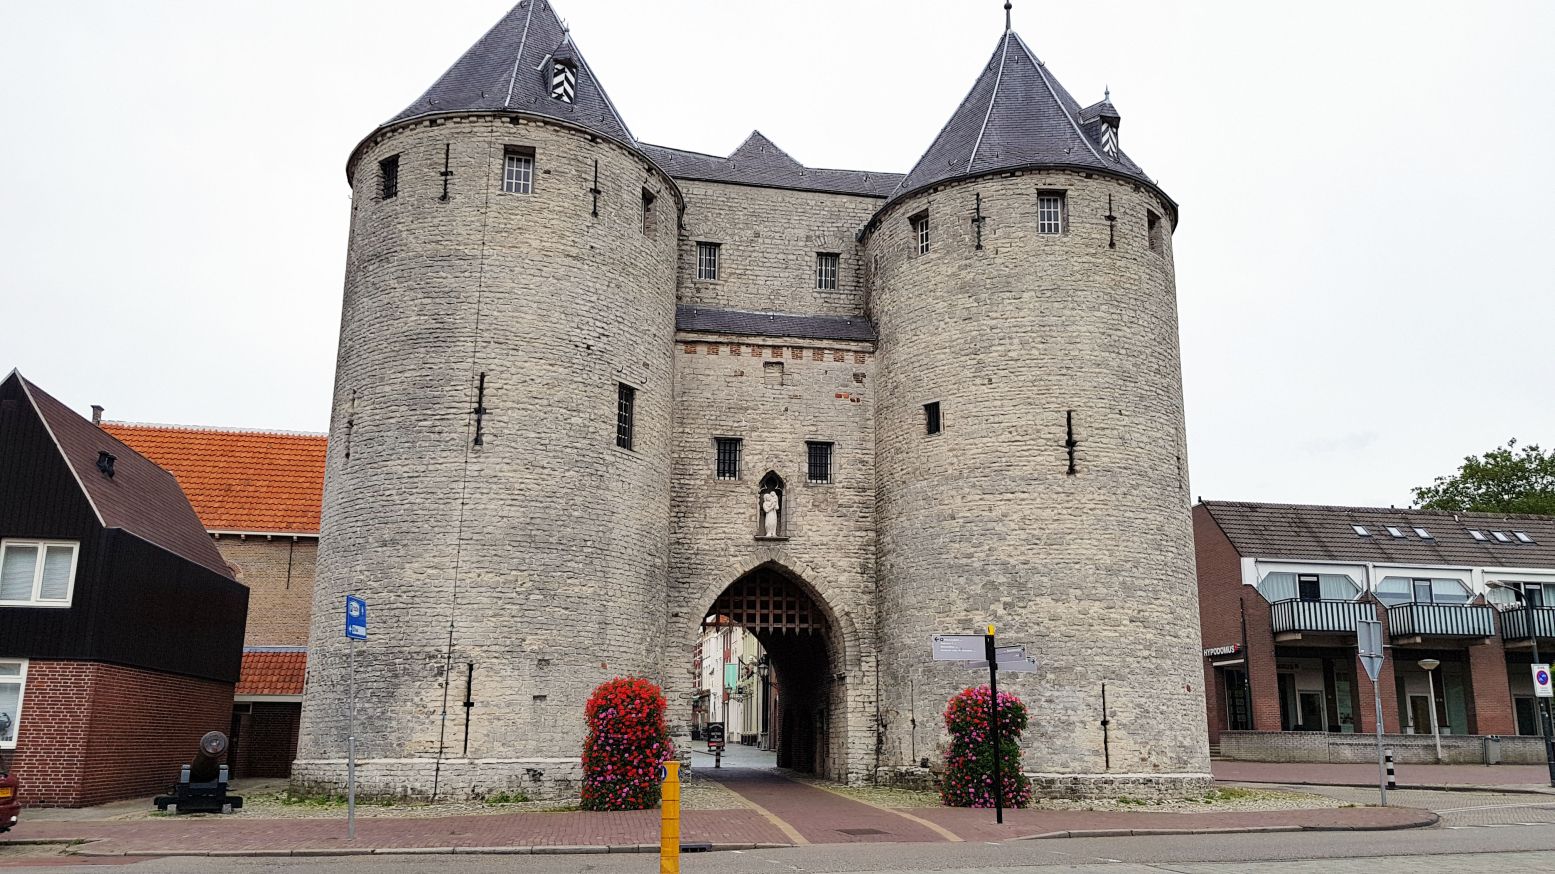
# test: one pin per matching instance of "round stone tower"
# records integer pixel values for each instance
(1030, 439)
(497, 485)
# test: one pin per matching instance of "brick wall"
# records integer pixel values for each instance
(1419, 749)
(92, 733)
(267, 740)
(279, 576)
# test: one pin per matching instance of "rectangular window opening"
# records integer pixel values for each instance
(931, 417)
(1360, 530)
(1423, 534)
(819, 468)
(518, 170)
(1477, 535)
(626, 400)
(37, 573)
(389, 176)
(1522, 536)
(826, 270)
(648, 221)
(920, 231)
(1050, 212)
(707, 262)
(1309, 588)
(13, 682)
(1153, 230)
(1500, 537)
(1395, 532)
(772, 374)
(728, 456)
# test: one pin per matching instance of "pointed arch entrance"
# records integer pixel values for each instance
(792, 683)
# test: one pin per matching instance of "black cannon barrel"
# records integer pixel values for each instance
(206, 766)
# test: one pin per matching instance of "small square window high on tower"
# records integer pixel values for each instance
(389, 176)
(1050, 212)
(707, 262)
(920, 231)
(826, 270)
(518, 170)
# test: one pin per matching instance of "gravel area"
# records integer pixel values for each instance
(1222, 800)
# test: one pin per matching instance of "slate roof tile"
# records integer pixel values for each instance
(707, 321)
(759, 162)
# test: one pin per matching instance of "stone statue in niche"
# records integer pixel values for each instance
(771, 507)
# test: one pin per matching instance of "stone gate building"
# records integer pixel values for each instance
(592, 392)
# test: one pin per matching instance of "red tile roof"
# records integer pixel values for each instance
(259, 481)
(272, 672)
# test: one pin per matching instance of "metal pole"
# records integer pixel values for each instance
(1539, 703)
(993, 707)
(351, 744)
(1382, 775)
(1430, 683)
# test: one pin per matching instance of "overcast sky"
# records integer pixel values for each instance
(1363, 263)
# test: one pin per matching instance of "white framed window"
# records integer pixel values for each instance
(518, 170)
(826, 270)
(920, 231)
(13, 681)
(37, 573)
(707, 262)
(1050, 212)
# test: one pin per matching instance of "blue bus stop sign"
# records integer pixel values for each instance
(356, 618)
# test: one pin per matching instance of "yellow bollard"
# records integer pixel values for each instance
(669, 820)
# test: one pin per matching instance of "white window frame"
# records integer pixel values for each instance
(518, 172)
(920, 231)
(21, 695)
(35, 599)
(707, 261)
(1050, 213)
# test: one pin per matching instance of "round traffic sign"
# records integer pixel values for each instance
(1543, 678)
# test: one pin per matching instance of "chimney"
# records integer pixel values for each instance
(97, 414)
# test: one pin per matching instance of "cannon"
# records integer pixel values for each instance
(202, 784)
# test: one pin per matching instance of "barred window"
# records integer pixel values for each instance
(931, 417)
(626, 398)
(1050, 212)
(920, 231)
(389, 176)
(707, 261)
(826, 270)
(518, 170)
(1153, 230)
(819, 470)
(728, 457)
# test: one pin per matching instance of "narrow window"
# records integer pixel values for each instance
(1153, 229)
(920, 231)
(648, 199)
(36, 573)
(1422, 591)
(13, 680)
(1308, 588)
(389, 176)
(772, 374)
(820, 461)
(707, 261)
(1050, 212)
(931, 417)
(564, 80)
(518, 170)
(826, 270)
(626, 398)
(728, 457)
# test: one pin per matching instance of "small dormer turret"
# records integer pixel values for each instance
(1102, 122)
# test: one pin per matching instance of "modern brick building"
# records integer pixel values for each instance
(592, 391)
(258, 495)
(121, 627)
(1281, 588)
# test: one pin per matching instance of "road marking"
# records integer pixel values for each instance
(938, 829)
(1543, 804)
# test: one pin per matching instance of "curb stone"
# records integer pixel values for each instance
(1429, 821)
(551, 850)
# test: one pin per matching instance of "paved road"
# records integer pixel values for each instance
(1530, 776)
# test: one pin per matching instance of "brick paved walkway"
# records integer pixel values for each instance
(818, 816)
(1532, 776)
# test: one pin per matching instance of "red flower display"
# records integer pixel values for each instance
(969, 763)
(626, 742)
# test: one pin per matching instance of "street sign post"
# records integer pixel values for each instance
(356, 629)
(715, 742)
(984, 649)
(991, 652)
(1368, 645)
(958, 648)
(1541, 682)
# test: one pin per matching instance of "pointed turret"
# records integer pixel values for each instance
(1018, 115)
(527, 63)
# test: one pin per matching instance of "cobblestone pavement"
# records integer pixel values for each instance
(1457, 809)
(1528, 776)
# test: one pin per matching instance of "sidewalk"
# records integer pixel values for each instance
(1525, 778)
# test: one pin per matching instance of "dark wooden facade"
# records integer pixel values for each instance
(135, 603)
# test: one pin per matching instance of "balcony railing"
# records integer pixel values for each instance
(1442, 620)
(1320, 616)
(1516, 622)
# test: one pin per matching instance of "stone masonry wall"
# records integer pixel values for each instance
(723, 388)
(1093, 572)
(279, 575)
(769, 239)
(539, 556)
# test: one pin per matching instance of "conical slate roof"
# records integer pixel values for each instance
(510, 69)
(1016, 115)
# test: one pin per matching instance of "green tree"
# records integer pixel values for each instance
(1507, 479)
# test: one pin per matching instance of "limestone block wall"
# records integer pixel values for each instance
(769, 239)
(727, 386)
(279, 574)
(982, 522)
(540, 555)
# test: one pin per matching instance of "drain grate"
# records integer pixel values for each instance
(857, 832)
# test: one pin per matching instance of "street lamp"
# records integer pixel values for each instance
(1429, 665)
(1538, 703)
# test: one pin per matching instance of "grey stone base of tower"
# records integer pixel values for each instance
(452, 779)
(1071, 786)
